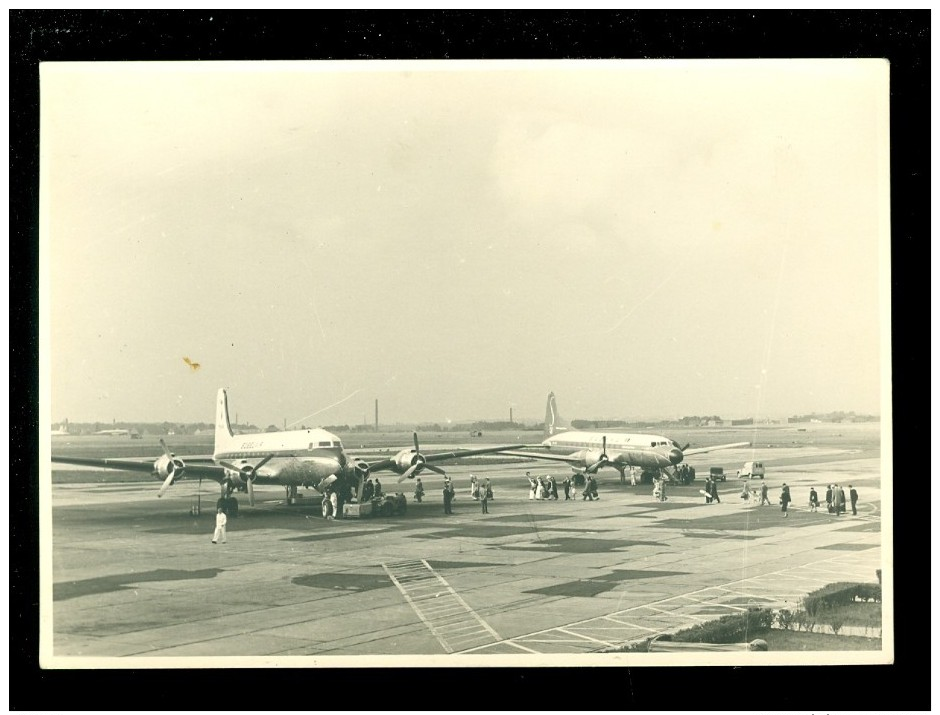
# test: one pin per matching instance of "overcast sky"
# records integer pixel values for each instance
(644, 239)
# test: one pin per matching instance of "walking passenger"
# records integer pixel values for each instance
(763, 494)
(838, 499)
(853, 496)
(220, 521)
(715, 491)
(813, 500)
(784, 499)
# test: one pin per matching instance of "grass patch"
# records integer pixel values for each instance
(778, 640)
(861, 614)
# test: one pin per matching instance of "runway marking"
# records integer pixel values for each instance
(443, 611)
(848, 563)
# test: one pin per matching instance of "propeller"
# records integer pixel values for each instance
(602, 460)
(174, 468)
(418, 464)
(248, 475)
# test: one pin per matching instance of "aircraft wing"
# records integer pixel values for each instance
(703, 450)
(571, 459)
(210, 471)
(384, 464)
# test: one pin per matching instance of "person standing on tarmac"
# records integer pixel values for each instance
(813, 499)
(784, 499)
(220, 521)
(484, 498)
(448, 497)
(853, 497)
(838, 499)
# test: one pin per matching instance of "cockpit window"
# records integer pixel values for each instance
(326, 444)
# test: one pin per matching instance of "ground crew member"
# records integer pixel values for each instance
(784, 499)
(484, 497)
(853, 497)
(220, 521)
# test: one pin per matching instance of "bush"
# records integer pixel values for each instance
(784, 619)
(736, 628)
(836, 622)
(827, 597)
(868, 592)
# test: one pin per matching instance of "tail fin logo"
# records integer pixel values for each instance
(223, 428)
(553, 421)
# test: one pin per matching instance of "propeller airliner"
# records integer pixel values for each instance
(307, 457)
(588, 451)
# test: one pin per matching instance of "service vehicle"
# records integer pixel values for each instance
(751, 470)
(717, 474)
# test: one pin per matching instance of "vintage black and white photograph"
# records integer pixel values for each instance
(472, 363)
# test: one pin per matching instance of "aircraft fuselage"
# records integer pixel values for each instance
(623, 450)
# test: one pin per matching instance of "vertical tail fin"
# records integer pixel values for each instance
(553, 421)
(223, 428)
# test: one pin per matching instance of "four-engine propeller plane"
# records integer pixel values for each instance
(587, 452)
(308, 457)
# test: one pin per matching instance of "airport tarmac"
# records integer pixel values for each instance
(136, 577)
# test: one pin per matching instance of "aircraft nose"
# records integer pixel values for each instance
(675, 455)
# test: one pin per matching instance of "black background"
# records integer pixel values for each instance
(902, 37)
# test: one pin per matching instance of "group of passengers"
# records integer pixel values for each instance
(835, 498)
(546, 488)
(480, 489)
(339, 493)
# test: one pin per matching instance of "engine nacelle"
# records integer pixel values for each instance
(357, 467)
(164, 466)
(239, 477)
(590, 456)
(405, 459)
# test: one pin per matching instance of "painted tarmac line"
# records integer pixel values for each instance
(447, 618)
(850, 563)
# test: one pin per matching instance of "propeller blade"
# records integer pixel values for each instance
(411, 470)
(686, 447)
(260, 464)
(597, 465)
(417, 448)
(324, 483)
(604, 446)
(166, 450)
(251, 492)
(166, 485)
(436, 470)
(230, 466)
